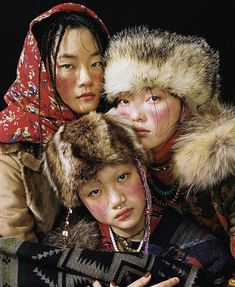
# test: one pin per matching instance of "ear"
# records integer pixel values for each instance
(185, 111)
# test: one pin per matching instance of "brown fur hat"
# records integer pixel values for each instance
(138, 58)
(80, 149)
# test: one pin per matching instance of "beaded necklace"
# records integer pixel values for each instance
(124, 242)
(162, 195)
(160, 167)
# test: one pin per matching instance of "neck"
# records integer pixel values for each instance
(134, 233)
(164, 153)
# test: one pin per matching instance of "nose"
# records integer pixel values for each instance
(136, 114)
(84, 77)
(116, 199)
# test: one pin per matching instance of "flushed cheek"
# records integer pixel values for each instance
(98, 79)
(64, 85)
(98, 210)
(159, 118)
(135, 190)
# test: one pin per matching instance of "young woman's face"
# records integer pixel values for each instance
(79, 70)
(154, 115)
(116, 198)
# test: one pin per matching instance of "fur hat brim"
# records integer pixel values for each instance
(80, 149)
(139, 58)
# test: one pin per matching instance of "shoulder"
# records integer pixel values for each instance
(22, 154)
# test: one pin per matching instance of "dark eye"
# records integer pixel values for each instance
(123, 101)
(123, 176)
(97, 64)
(66, 66)
(94, 193)
(153, 99)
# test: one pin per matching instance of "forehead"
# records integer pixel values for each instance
(75, 39)
(111, 170)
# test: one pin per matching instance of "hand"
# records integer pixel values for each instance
(143, 281)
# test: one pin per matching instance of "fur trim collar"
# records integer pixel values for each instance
(205, 152)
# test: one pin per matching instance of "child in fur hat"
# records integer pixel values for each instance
(167, 86)
(99, 162)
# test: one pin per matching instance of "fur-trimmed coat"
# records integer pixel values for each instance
(204, 164)
(28, 205)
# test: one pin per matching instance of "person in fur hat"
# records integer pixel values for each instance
(168, 87)
(62, 45)
(97, 165)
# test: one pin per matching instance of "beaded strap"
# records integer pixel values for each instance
(148, 198)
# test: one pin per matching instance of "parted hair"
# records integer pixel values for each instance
(78, 150)
(50, 32)
(186, 66)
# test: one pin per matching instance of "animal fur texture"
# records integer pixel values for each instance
(140, 58)
(78, 150)
(205, 152)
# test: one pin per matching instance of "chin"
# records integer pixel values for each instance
(86, 108)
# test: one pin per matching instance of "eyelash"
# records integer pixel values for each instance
(66, 66)
(125, 176)
(93, 194)
(153, 98)
(97, 64)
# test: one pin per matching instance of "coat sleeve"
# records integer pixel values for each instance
(15, 216)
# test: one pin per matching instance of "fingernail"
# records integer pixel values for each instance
(146, 275)
(113, 284)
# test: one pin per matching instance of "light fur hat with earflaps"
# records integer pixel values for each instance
(139, 58)
(81, 148)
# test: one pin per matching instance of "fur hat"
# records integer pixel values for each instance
(184, 65)
(80, 149)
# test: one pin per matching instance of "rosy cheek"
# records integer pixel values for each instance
(135, 190)
(98, 209)
(123, 111)
(64, 84)
(159, 117)
(99, 78)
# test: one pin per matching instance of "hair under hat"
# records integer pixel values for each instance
(139, 58)
(81, 148)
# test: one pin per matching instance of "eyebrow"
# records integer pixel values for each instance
(72, 56)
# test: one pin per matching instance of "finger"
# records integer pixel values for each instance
(168, 283)
(96, 283)
(143, 281)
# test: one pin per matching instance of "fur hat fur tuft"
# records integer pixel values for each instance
(78, 150)
(138, 58)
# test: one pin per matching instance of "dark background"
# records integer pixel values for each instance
(213, 21)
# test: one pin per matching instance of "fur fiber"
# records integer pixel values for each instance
(78, 150)
(184, 65)
(205, 152)
(84, 234)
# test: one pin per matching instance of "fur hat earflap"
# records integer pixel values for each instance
(139, 58)
(80, 149)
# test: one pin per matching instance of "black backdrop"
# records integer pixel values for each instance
(213, 21)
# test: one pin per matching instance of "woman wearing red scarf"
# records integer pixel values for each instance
(59, 77)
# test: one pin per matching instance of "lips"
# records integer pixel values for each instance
(124, 213)
(86, 96)
(141, 132)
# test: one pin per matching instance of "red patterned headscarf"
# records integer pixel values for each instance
(32, 113)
